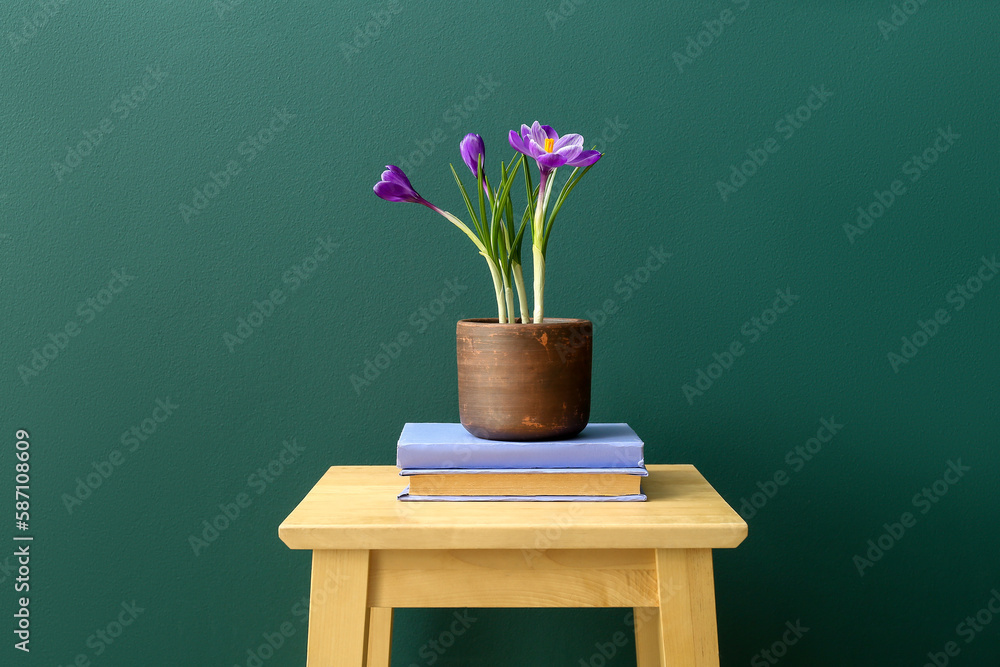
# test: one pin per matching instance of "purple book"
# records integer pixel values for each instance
(640, 471)
(405, 495)
(432, 446)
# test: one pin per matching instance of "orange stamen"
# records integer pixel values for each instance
(549, 145)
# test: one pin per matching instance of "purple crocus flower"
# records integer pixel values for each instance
(472, 149)
(550, 150)
(395, 186)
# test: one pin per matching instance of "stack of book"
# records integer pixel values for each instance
(446, 462)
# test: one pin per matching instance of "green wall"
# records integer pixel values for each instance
(213, 77)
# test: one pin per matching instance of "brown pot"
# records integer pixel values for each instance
(524, 381)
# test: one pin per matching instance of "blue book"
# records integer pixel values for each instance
(443, 446)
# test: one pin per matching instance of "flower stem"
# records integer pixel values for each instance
(458, 223)
(538, 224)
(537, 252)
(522, 295)
(539, 259)
(499, 288)
(508, 296)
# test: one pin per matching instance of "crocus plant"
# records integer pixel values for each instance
(496, 230)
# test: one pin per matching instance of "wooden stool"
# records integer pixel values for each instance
(372, 553)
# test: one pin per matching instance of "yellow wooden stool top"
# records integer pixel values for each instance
(373, 553)
(355, 507)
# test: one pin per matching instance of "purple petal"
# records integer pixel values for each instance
(524, 145)
(551, 160)
(395, 186)
(569, 140)
(533, 149)
(585, 159)
(568, 153)
(394, 174)
(517, 143)
(393, 192)
(538, 135)
(549, 132)
(471, 148)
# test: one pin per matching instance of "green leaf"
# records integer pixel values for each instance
(482, 198)
(465, 195)
(496, 205)
(571, 182)
(510, 219)
(503, 192)
(520, 233)
(529, 189)
(500, 198)
(465, 230)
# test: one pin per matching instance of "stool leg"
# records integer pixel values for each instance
(647, 636)
(379, 636)
(338, 609)
(689, 635)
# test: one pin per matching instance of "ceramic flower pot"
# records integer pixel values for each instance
(524, 381)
